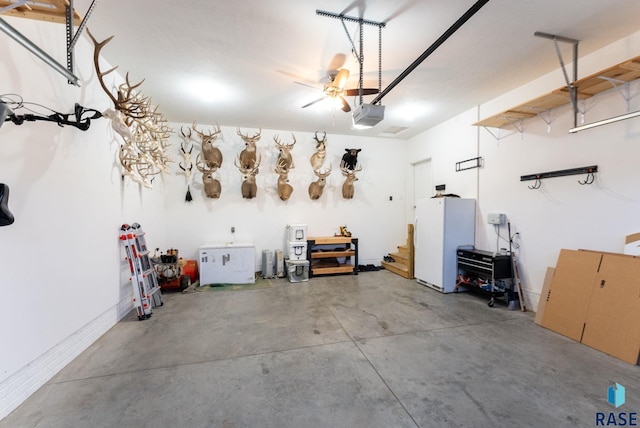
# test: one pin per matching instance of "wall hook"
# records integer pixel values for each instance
(590, 178)
(536, 184)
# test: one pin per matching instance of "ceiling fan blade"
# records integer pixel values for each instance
(307, 85)
(336, 63)
(341, 79)
(345, 105)
(356, 92)
(313, 102)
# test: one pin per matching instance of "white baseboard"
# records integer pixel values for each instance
(18, 387)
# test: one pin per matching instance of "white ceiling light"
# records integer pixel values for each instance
(208, 91)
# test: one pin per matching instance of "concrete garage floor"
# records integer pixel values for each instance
(372, 350)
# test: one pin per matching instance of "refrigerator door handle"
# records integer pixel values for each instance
(415, 232)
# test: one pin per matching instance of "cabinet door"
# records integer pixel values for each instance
(570, 292)
(613, 318)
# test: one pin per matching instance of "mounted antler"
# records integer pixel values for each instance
(316, 187)
(144, 130)
(285, 152)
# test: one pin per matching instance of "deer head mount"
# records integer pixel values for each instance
(284, 188)
(350, 178)
(316, 187)
(212, 186)
(249, 188)
(317, 159)
(212, 155)
(144, 130)
(247, 156)
(284, 158)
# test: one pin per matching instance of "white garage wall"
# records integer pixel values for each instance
(562, 213)
(62, 280)
(370, 216)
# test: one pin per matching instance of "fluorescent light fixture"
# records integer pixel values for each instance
(604, 122)
(208, 91)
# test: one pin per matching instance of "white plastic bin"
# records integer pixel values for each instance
(297, 250)
(297, 232)
(298, 270)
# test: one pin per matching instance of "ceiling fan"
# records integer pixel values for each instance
(334, 90)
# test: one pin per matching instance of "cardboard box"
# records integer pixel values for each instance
(594, 298)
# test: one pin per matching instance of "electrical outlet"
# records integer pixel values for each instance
(233, 229)
(494, 218)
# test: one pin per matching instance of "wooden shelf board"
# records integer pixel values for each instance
(343, 268)
(41, 10)
(327, 254)
(327, 240)
(589, 86)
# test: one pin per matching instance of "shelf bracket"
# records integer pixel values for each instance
(546, 115)
(623, 88)
(496, 136)
(519, 124)
(573, 91)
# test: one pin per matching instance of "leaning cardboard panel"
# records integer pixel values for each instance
(612, 323)
(544, 295)
(570, 293)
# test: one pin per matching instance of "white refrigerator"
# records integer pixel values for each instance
(442, 225)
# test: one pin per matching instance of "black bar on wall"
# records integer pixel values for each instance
(560, 173)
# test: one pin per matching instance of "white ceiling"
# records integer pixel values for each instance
(236, 63)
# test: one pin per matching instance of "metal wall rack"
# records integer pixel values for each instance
(50, 11)
(589, 170)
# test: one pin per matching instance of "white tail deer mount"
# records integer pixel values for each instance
(284, 158)
(212, 155)
(316, 187)
(212, 186)
(247, 156)
(347, 186)
(249, 188)
(284, 188)
(317, 159)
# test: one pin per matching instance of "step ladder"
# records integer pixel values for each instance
(146, 290)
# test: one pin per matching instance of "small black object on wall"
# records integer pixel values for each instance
(6, 218)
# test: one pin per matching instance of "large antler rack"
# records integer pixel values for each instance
(144, 130)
